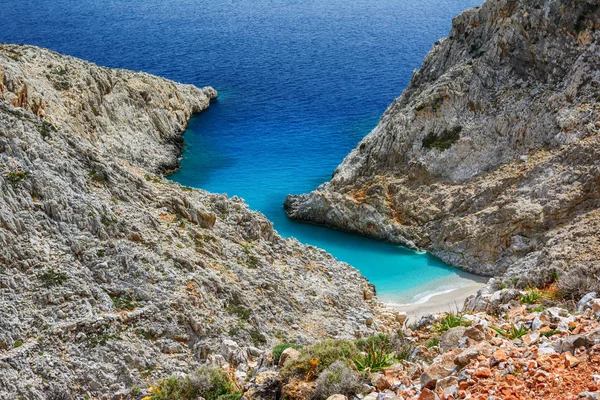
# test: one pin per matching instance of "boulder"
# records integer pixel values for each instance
(451, 337)
(471, 353)
(288, 354)
(584, 302)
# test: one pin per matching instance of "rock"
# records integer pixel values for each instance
(471, 353)
(442, 367)
(337, 397)
(570, 360)
(427, 394)
(531, 338)
(401, 317)
(483, 373)
(450, 338)
(380, 382)
(573, 342)
(290, 354)
(589, 395)
(475, 333)
(585, 301)
(499, 356)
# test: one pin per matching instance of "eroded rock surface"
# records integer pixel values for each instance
(490, 158)
(111, 276)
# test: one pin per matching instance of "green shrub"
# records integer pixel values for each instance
(50, 278)
(451, 320)
(209, 382)
(380, 341)
(432, 342)
(513, 332)
(239, 311)
(98, 177)
(257, 337)
(375, 359)
(280, 348)
(315, 358)
(124, 302)
(532, 296)
(337, 379)
(15, 178)
(444, 140)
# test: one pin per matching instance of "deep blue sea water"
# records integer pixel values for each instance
(300, 83)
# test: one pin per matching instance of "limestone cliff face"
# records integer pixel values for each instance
(490, 159)
(112, 276)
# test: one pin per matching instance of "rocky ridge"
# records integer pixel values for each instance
(489, 159)
(111, 276)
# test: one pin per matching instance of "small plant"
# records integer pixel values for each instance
(337, 379)
(444, 140)
(380, 341)
(451, 320)
(135, 391)
(50, 278)
(550, 333)
(513, 332)
(405, 353)
(280, 348)
(239, 311)
(15, 178)
(531, 296)
(124, 302)
(375, 360)
(433, 342)
(98, 177)
(538, 309)
(18, 343)
(257, 337)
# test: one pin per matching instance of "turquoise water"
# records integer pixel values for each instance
(300, 83)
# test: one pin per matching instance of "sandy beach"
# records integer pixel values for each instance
(451, 301)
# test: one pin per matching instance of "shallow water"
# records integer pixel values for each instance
(300, 83)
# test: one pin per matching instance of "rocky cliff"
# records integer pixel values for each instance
(490, 159)
(112, 276)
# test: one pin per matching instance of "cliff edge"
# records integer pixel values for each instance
(490, 158)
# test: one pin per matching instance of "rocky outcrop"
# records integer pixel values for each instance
(489, 159)
(112, 276)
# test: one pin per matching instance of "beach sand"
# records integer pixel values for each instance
(451, 301)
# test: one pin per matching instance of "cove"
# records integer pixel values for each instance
(300, 83)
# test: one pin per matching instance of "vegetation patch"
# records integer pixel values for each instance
(315, 358)
(15, 178)
(337, 379)
(444, 140)
(513, 332)
(124, 302)
(51, 278)
(239, 311)
(209, 383)
(451, 320)
(98, 177)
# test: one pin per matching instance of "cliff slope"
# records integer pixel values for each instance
(490, 159)
(112, 276)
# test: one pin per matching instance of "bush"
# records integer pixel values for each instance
(513, 332)
(315, 358)
(451, 320)
(280, 348)
(209, 382)
(380, 341)
(337, 379)
(580, 280)
(443, 141)
(376, 359)
(531, 297)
